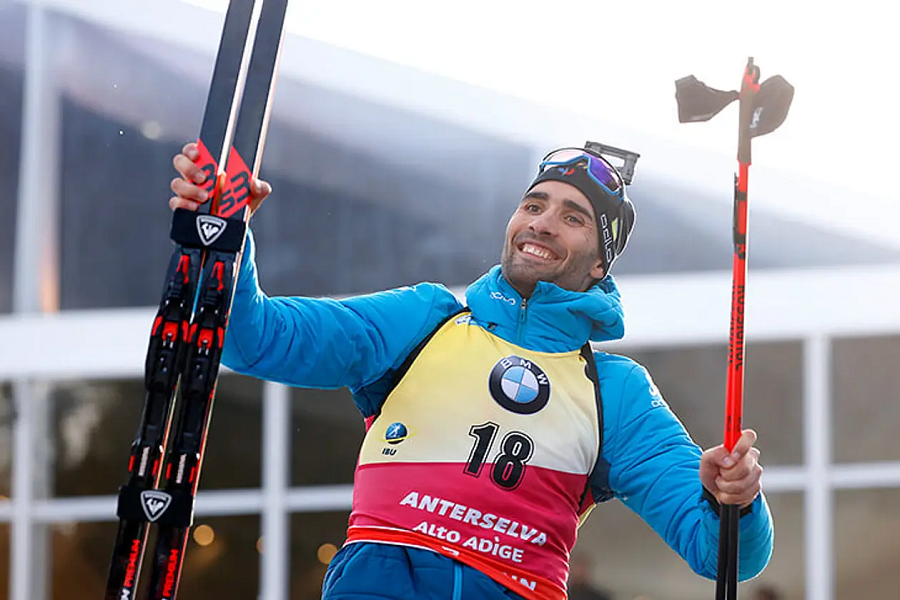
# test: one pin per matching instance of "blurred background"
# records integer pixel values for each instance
(402, 136)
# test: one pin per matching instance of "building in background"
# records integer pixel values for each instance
(387, 176)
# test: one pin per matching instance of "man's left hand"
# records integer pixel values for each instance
(733, 478)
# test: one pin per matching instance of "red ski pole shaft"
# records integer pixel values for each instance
(734, 393)
(727, 579)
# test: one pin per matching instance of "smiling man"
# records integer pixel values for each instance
(493, 428)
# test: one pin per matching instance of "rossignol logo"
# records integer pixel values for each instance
(155, 504)
(519, 385)
(210, 228)
(754, 121)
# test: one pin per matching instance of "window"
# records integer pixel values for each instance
(4, 553)
(7, 418)
(315, 537)
(865, 380)
(865, 541)
(621, 550)
(12, 81)
(94, 423)
(221, 559)
(405, 199)
(326, 433)
(692, 380)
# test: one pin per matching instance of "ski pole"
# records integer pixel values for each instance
(763, 108)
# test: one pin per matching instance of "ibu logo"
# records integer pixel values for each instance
(394, 434)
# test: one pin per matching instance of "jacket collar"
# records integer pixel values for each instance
(552, 319)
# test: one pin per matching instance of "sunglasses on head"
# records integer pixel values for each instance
(596, 167)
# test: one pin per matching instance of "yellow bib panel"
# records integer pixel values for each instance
(482, 453)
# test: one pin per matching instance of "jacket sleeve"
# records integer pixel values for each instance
(322, 342)
(654, 470)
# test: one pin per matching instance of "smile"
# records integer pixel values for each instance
(538, 251)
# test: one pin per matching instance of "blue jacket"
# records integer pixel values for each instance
(649, 461)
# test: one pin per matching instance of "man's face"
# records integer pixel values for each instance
(552, 237)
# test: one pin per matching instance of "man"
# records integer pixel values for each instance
(492, 428)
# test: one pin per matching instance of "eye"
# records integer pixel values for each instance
(575, 219)
(532, 208)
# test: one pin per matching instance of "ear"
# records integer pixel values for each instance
(597, 271)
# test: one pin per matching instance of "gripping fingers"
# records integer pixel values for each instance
(740, 492)
(179, 202)
(743, 488)
(732, 481)
(188, 169)
(188, 190)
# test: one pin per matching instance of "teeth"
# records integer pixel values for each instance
(539, 252)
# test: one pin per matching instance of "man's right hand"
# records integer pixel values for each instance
(188, 193)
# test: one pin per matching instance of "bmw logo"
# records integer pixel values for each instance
(519, 385)
(396, 433)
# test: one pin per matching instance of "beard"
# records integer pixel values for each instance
(571, 273)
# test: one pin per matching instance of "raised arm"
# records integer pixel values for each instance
(654, 470)
(313, 342)
(327, 343)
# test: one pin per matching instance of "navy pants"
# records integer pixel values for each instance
(368, 571)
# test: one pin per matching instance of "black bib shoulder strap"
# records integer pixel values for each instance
(597, 486)
(591, 372)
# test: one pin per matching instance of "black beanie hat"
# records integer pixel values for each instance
(614, 214)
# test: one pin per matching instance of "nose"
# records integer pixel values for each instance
(544, 223)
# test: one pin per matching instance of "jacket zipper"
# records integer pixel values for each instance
(521, 327)
(457, 581)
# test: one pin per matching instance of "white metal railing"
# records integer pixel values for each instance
(223, 503)
(660, 312)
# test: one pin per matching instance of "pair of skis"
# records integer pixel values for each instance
(188, 332)
(763, 108)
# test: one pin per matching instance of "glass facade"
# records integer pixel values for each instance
(315, 537)
(4, 553)
(221, 559)
(865, 381)
(94, 423)
(868, 552)
(692, 380)
(351, 212)
(12, 86)
(621, 550)
(326, 433)
(7, 416)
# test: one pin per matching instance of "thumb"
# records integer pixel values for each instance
(259, 191)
